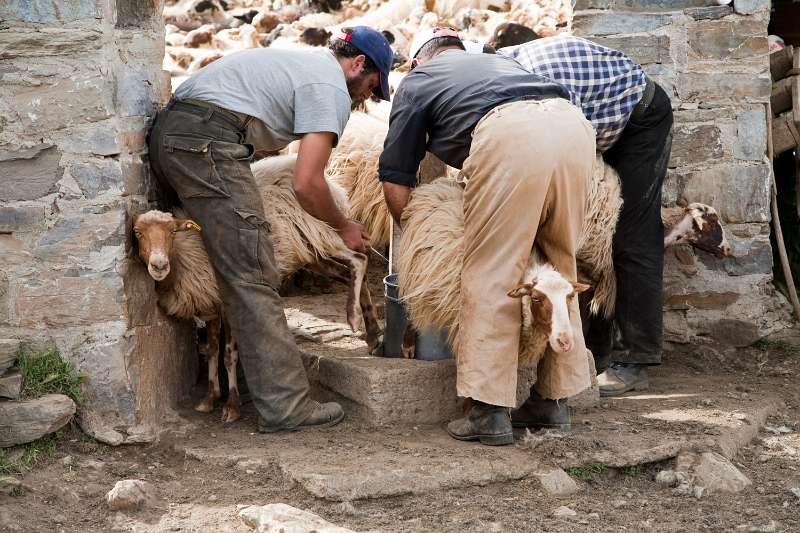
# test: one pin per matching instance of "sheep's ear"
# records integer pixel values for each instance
(523, 289)
(580, 287)
(183, 224)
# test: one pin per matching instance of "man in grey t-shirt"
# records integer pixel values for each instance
(201, 146)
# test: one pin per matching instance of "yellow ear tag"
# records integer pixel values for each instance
(193, 225)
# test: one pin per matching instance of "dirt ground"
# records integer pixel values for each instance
(203, 470)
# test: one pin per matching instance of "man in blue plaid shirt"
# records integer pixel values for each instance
(633, 119)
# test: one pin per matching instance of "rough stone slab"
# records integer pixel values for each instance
(29, 173)
(282, 518)
(692, 144)
(723, 86)
(556, 482)
(38, 42)
(385, 473)
(728, 39)
(9, 348)
(750, 7)
(23, 218)
(740, 193)
(639, 5)
(28, 420)
(600, 24)
(709, 13)
(751, 131)
(49, 11)
(382, 390)
(11, 384)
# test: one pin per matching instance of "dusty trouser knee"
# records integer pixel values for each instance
(206, 164)
(528, 172)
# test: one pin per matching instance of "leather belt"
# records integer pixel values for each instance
(646, 100)
(207, 109)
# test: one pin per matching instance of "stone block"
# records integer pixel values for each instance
(48, 42)
(28, 420)
(709, 13)
(96, 176)
(752, 256)
(750, 7)
(92, 241)
(739, 193)
(99, 138)
(20, 219)
(29, 173)
(692, 144)
(59, 302)
(593, 4)
(68, 102)
(639, 5)
(599, 24)
(130, 494)
(49, 11)
(11, 384)
(643, 49)
(751, 132)
(701, 300)
(280, 518)
(723, 39)
(732, 332)
(9, 348)
(723, 86)
(135, 13)
(134, 90)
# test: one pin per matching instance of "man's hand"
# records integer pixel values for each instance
(354, 236)
(396, 197)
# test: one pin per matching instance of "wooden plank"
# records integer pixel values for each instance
(785, 134)
(780, 62)
(781, 97)
(796, 88)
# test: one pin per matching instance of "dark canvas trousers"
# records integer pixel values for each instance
(640, 156)
(203, 158)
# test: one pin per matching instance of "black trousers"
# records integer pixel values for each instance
(640, 156)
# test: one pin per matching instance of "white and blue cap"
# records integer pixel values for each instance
(376, 47)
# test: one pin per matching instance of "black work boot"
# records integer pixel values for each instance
(489, 424)
(540, 413)
(323, 415)
(620, 378)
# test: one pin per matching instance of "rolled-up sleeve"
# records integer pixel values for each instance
(405, 142)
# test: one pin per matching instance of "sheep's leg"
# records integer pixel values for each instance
(409, 341)
(231, 410)
(213, 394)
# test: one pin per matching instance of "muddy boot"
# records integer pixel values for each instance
(486, 423)
(620, 378)
(540, 413)
(323, 415)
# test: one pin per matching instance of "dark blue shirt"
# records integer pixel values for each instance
(439, 103)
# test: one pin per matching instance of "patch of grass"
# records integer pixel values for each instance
(632, 470)
(34, 452)
(777, 347)
(47, 373)
(587, 471)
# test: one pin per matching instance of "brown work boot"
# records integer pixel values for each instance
(323, 415)
(540, 413)
(486, 423)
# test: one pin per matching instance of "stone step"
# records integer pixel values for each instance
(380, 391)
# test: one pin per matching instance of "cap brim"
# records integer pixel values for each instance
(382, 92)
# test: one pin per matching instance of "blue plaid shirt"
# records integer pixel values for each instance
(603, 82)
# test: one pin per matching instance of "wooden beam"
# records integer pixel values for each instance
(781, 98)
(785, 133)
(780, 63)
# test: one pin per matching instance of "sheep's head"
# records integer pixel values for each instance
(702, 228)
(155, 234)
(550, 297)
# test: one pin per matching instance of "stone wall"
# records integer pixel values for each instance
(79, 80)
(712, 61)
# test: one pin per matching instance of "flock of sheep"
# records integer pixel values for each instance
(430, 253)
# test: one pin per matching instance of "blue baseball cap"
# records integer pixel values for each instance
(376, 47)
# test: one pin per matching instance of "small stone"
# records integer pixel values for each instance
(564, 511)
(213, 498)
(68, 461)
(129, 494)
(557, 482)
(10, 486)
(714, 472)
(619, 503)
(795, 491)
(593, 516)
(698, 491)
(94, 464)
(667, 478)
(11, 384)
(771, 527)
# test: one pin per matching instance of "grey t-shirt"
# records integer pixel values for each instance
(290, 92)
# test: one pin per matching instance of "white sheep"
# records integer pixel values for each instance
(176, 258)
(431, 248)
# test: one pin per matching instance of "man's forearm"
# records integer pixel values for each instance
(396, 197)
(315, 197)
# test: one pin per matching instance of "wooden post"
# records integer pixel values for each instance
(781, 98)
(780, 62)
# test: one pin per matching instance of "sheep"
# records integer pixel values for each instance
(191, 14)
(187, 288)
(431, 249)
(176, 258)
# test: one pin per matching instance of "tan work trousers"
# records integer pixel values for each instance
(528, 173)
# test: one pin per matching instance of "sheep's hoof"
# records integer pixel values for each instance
(206, 406)
(230, 414)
